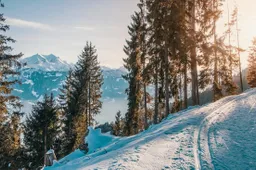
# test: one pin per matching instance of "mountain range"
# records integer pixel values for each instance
(45, 74)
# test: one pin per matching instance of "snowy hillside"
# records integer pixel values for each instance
(220, 135)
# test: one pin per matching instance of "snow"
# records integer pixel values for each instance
(97, 140)
(219, 135)
(41, 98)
(19, 91)
(46, 63)
(34, 93)
(29, 82)
(27, 108)
(58, 75)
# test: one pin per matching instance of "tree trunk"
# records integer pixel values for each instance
(185, 87)
(229, 41)
(238, 46)
(86, 105)
(156, 95)
(89, 104)
(215, 73)
(145, 102)
(45, 145)
(194, 74)
(167, 107)
(144, 60)
(180, 91)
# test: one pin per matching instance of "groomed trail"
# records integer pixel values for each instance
(220, 135)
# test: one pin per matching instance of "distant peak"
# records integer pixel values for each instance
(52, 58)
(46, 62)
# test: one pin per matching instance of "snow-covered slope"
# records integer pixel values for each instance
(220, 135)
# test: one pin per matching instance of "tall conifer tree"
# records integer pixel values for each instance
(251, 76)
(133, 64)
(41, 130)
(81, 98)
(9, 118)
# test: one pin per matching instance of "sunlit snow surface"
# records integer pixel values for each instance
(220, 135)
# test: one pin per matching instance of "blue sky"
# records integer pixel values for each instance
(62, 27)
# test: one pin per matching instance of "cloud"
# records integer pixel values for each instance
(28, 24)
(84, 28)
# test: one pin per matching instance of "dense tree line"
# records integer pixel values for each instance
(174, 46)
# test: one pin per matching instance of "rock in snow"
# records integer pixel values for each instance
(220, 135)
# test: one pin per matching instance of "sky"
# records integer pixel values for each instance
(62, 27)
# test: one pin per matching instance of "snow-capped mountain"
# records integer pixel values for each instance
(45, 74)
(45, 63)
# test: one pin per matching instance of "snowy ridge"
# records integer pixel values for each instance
(45, 74)
(220, 135)
(46, 63)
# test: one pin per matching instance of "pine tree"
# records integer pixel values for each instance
(251, 76)
(68, 102)
(118, 126)
(193, 54)
(143, 44)
(9, 119)
(239, 50)
(152, 71)
(81, 98)
(134, 66)
(41, 130)
(212, 47)
(159, 42)
(229, 60)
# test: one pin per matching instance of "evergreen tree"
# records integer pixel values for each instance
(67, 101)
(193, 54)
(239, 50)
(118, 126)
(9, 118)
(229, 59)
(152, 71)
(159, 43)
(41, 130)
(143, 44)
(80, 98)
(134, 66)
(251, 75)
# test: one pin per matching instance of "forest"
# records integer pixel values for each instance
(174, 46)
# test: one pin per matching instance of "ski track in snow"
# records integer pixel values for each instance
(207, 137)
